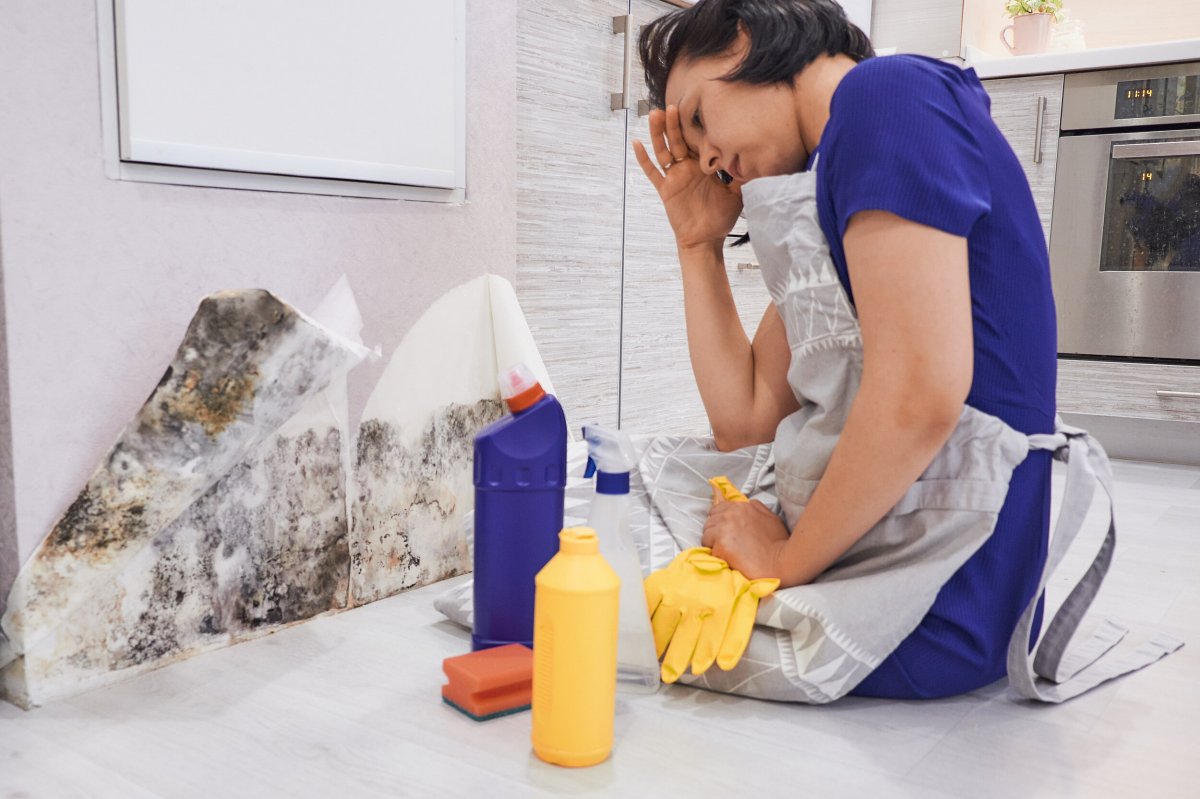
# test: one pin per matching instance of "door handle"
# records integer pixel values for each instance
(624, 24)
(1157, 149)
(1178, 394)
(1037, 130)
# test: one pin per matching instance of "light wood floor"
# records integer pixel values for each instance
(348, 706)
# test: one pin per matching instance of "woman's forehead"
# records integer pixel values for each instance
(689, 74)
(687, 77)
(680, 82)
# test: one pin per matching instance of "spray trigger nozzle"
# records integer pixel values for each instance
(609, 451)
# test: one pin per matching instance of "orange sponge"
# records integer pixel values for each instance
(490, 682)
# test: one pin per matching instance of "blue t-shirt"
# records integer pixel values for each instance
(914, 136)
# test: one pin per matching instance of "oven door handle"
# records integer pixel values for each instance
(1157, 149)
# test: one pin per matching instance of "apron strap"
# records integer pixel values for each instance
(1060, 669)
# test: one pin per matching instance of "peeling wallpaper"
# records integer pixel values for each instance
(231, 505)
(413, 466)
(98, 274)
(264, 547)
(408, 527)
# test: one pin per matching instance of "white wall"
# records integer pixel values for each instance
(8, 519)
(101, 277)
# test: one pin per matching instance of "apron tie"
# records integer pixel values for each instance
(1061, 672)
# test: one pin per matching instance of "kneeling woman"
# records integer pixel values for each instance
(935, 239)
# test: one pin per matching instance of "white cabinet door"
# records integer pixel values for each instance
(1016, 104)
(658, 390)
(371, 91)
(570, 187)
(927, 27)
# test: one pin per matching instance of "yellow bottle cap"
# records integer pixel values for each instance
(578, 541)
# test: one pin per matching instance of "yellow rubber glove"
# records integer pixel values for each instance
(725, 491)
(702, 611)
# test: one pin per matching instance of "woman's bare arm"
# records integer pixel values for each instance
(742, 383)
(913, 295)
(913, 298)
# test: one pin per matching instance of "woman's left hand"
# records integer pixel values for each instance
(748, 536)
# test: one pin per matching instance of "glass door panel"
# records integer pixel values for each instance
(1152, 213)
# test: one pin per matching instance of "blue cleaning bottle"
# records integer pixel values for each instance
(520, 479)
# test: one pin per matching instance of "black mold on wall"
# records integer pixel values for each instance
(265, 547)
(212, 383)
(246, 365)
(401, 489)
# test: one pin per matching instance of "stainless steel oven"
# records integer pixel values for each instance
(1125, 231)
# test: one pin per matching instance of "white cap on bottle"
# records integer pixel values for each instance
(519, 388)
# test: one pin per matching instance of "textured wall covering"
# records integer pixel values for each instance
(99, 274)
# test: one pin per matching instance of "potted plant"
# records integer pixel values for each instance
(1031, 25)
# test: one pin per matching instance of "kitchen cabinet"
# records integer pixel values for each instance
(570, 197)
(925, 27)
(1125, 391)
(1028, 111)
(222, 94)
(597, 273)
(1167, 392)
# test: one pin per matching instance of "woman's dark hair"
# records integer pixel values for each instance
(785, 37)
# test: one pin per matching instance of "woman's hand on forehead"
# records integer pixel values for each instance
(666, 138)
(701, 208)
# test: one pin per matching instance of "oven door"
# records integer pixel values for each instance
(1125, 245)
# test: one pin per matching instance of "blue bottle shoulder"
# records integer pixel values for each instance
(525, 450)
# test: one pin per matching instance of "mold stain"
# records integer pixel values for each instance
(215, 376)
(92, 525)
(215, 406)
(407, 527)
(265, 547)
(213, 380)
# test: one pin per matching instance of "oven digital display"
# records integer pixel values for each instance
(1158, 97)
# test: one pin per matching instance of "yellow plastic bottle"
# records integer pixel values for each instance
(575, 613)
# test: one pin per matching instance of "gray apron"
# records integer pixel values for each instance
(836, 630)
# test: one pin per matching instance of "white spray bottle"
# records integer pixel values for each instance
(611, 459)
